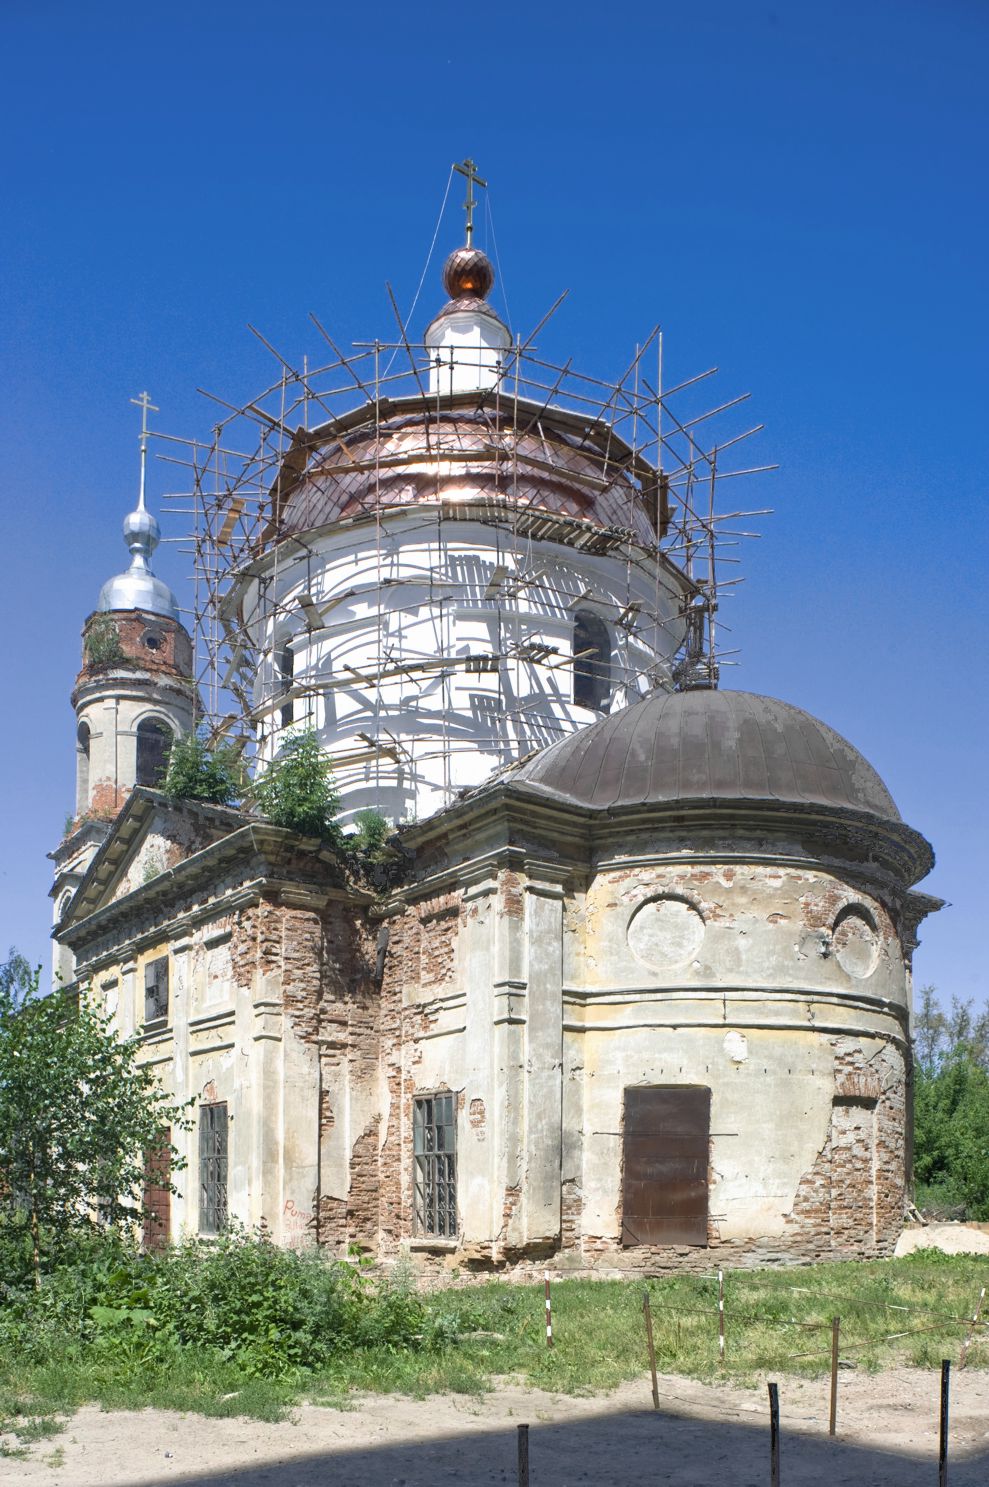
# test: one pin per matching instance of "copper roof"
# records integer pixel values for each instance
(430, 450)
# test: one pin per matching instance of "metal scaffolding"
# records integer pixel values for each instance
(626, 468)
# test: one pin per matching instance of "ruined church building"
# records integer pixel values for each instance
(631, 988)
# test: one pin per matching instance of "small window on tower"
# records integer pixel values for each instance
(152, 641)
(592, 661)
(156, 990)
(154, 743)
(82, 768)
(286, 671)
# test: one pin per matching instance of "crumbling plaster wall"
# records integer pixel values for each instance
(773, 983)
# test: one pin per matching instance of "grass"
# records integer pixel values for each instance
(777, 1321)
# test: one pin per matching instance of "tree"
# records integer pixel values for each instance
(297, 789)
(197, 772)
(79, 1115)
(951, 1106)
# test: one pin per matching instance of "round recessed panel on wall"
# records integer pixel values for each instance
(856, 945)
(665, 932)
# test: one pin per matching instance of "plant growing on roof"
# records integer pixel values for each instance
(197, 772)
(372, 832)
(297, 789)
(103, 646)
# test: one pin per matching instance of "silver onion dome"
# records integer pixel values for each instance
(138, 588)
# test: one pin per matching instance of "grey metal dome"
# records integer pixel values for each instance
(138, 588)
(705, 746)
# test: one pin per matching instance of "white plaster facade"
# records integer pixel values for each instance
(405, 603)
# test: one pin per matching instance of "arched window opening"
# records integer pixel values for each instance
(82, 768)
(285, 663)
(592, 661)
(154, 744)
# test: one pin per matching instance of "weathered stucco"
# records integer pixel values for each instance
(537, 969)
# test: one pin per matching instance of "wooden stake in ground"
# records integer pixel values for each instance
(942, 1455)
(833, 1420)
(523, 1456)
(774, 1435)
(549, 1313)
(721, 1318)
(652, 1349)
(971, 1328)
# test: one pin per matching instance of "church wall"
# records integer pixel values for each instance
(539, 994)
(423, 597)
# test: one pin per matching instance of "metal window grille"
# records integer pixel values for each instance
(435, 1158)
(212, 1168)
(156, 989)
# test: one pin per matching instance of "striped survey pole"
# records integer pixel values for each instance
(549, 1312)
(721, 1318)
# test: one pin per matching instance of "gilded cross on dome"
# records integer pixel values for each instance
(468, 168)
(146, 406)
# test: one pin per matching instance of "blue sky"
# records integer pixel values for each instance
(795, 192)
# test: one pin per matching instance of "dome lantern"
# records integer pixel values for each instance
(467, 340)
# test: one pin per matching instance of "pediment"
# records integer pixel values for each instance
(150, 835)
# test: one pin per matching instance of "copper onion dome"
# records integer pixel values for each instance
(468, 272)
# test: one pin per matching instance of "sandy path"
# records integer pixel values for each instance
(703, 1434)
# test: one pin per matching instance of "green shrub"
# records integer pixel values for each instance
(297, 789)
(197, 772)
(372, 831)
(103, 646)
(270, 1312)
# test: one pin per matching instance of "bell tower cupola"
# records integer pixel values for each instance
(133, 695)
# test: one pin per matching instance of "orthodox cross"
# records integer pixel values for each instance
(469, 169)
(146, 406)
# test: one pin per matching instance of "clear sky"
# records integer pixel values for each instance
(797, 192)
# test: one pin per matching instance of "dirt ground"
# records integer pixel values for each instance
(703, 1434)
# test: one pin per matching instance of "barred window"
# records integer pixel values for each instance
(212, 1168)
(156, 990)
(435, 1157)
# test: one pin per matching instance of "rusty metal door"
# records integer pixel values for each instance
(665, 1188)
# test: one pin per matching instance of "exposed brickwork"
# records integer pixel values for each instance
(169, 652)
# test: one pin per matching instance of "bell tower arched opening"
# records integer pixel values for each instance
(154, 744)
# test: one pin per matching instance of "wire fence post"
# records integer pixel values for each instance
(774, 1435)
(549, 1313)
(652, 1349)
(971, 1328)
(523, 1434)
(721, 1318)
(942, 1455)
(833, 1418)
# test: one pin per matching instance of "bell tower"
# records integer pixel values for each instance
(133, 695)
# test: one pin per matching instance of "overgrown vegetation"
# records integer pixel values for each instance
(103, 646)
(237, 1326)
(78, 1114)
(197, 772)
(372, 832)
(951, 1109)
(297, 790)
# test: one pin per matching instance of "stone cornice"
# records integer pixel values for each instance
(256, 860)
